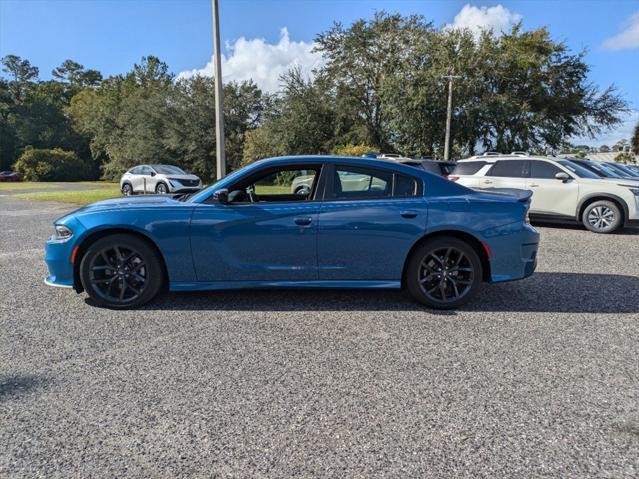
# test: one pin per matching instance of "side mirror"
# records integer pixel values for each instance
(222, 196)
(562, 176)
(153, 173)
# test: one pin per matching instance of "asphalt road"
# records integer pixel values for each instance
(535, 378)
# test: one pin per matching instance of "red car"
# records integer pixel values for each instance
(10, 176)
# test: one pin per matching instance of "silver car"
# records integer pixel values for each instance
(159, 179)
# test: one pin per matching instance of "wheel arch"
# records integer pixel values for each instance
(94, 236)
(165, 183)
(588, 200)
(473, 241)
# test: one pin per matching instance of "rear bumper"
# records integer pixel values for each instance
(514, 252)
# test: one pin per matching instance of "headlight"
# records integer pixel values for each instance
(62, 233)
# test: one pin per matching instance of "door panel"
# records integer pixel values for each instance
(255, 241)
(368, 239)
(552, 196)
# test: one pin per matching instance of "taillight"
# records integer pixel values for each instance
(452, 177)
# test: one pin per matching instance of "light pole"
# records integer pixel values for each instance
(219, 96)
(449, 113)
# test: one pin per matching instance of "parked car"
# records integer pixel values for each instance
(401, 227)
(599, 169)
(623, 170)
(441, 168)
(10, 176)
(562, 190)
(160, 179)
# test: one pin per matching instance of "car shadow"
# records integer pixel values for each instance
(628, 230)
(542, 292)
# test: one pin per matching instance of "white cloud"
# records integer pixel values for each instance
(261, 61)
(498, 19)
(628, 38)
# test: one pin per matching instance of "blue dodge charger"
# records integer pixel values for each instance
(299, 222)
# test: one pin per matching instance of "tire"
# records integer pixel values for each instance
(138, 271)
(161, 189)
(602, 217)
(127, 189)
(457, 269)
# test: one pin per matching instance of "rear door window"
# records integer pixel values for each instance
(508, 169)
(468, 167)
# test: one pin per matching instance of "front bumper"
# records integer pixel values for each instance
(58, 258)
(514, 251)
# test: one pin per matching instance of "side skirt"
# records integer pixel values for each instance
(219, 285)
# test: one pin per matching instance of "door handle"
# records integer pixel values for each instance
(303, 221)
(534, 185)
(408, 214)
(488, 182)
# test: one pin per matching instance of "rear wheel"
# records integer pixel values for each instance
(121, 271)
(444, 273)
(602, 217)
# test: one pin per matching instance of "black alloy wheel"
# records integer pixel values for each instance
(121, 271)
(444, 273)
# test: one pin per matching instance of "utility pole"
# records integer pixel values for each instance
(449, 114)
(219, 97)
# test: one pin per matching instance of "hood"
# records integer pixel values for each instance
(181, 177)
(632, 183)
(143, 201)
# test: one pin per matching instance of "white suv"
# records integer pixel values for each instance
(160, 179)
(562, 190)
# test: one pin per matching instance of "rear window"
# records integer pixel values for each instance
(404, 186)
(468, 167)
(508, 169)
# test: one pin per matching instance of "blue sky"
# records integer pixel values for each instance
(111, 35)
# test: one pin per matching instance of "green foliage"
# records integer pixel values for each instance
(260, 143)
(381, 83)
(625, 158)
(51, 165)
(634, 141)
(604, 149)
(354, 150)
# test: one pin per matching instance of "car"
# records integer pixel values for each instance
(442, 168)
(599, 169)
(159, 179)
(10, 176)
(563, 191)
(622, 169)
(402, 227)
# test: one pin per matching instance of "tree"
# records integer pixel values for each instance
(22, 72)
(634, 141)
(75, 74)
(604, 149)
(260, 143)
(51, 165)
(621, 145)
(359, 59)
(354, 150)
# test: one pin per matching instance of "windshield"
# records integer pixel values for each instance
(168, 170)
(626, 169)
(580, 171)
(601, 169)
(206, 192)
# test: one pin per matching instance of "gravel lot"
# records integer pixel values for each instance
(536, 378)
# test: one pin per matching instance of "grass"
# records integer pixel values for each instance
(78, 197)
(40, 185)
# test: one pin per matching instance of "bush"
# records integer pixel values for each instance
(51, 165)
(625, 158)
(354, 150)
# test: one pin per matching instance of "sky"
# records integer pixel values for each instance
(263, 38)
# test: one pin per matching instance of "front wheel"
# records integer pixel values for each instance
(127, 190)
(121, 271)
(444, 273)
(161, 189)
(602, 217)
